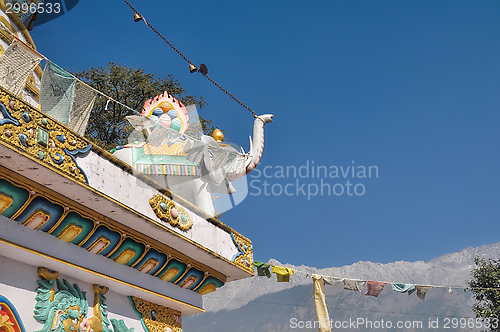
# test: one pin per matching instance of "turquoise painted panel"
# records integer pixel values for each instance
(174, 264)
(211, 280)
(39, 203)
(19, 197)
(159, 257)
(74, 218)
(102, 231)
(192, 273)
(137, 248)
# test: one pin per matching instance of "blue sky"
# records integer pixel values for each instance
(408, 87)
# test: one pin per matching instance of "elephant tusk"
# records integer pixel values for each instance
(249, 158)
(251, 145)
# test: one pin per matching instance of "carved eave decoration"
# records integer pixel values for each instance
(36, 135)
(166, 210)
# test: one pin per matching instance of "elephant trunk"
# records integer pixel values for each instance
(257, 142)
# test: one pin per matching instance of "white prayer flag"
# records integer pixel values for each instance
(83, 102)
(16, 64)
(158, 136)
(140, 122)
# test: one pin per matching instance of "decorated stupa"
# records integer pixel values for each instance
(91, 240)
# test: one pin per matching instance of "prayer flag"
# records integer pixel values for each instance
(83, 102)
(282, 273)
(320, 304)
(16, 64)
(57, 92)
(354, 284)
(374, 288)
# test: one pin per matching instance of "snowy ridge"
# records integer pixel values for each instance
(450, 270)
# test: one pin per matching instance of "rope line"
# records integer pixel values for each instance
(309, 274)
(189, 61)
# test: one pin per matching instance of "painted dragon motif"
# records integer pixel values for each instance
(66, 309)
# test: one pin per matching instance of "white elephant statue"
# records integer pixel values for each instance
(194, 173)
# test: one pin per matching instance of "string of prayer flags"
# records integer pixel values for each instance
(320, 304)
(282, 273)
(16, 64)
(374, 288)
(83, 102)
(403, 288)
(262, 269)
(57, 92)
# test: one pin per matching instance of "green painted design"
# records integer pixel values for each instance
(41, 155)
(44, 121)
(138, 157)
(164, 206)
(42, 137)
(23, 206)
(19, 196)
(138, 314)
(73, 218)
(183, 217)
(69, 309)
(67, 296)
(211, 280)
(119, 326)
(129, 244)
(174, 264)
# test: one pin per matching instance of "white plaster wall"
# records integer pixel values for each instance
(132, 192)
(18, 284)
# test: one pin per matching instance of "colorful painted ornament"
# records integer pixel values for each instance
(174, 213)
(23, 139)
(176, 124)
(172, 113)
(165, 120)
(156, 119)
(164, 206)
(26, 117)
(158, 112)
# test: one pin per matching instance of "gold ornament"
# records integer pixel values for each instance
(33, 133)
(218, 135)
(157, 318)
(168, 211)
(244, 246)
